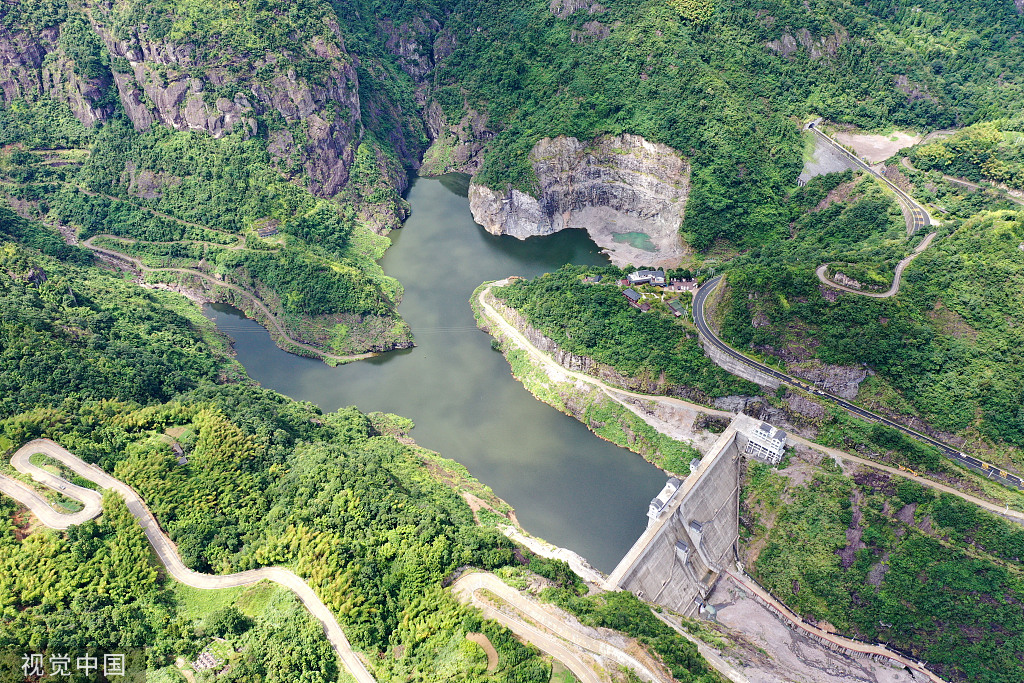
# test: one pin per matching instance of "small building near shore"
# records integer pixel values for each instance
(647, 277)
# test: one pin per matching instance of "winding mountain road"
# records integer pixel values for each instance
(271, 318)
(162, 546)
(968, 461)
(915, 214)
(896, 276)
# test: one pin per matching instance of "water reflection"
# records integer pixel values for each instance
(567, 485)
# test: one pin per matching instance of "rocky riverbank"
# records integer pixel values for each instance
(668, 436)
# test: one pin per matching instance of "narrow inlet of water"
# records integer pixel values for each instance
(567, 486)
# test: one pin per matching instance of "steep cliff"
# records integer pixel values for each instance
(628, 193)
(316, 120)
(34, 64)
(299, 91)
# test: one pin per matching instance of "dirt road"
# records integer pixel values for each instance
(896, 277)
(162, 546)
(543, 628)
(271, 318)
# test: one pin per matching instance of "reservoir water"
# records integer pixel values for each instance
(567, 486)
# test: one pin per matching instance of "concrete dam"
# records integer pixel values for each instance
(692, 532)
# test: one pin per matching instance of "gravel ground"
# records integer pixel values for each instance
(877, 148)
(795, 658)
(825, 160)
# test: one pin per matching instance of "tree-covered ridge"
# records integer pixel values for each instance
(989, 151)
(71, 332)
(596, 321)
(197, 205)
(888, 560)
(949, 344)
(274, 130)
(723, 91)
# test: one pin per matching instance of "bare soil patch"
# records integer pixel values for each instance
(951, 322)
(492, 654)
(877, 148)
(840, 194)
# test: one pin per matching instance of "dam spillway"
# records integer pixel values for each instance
(693, 531)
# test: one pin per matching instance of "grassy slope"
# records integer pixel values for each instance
(931, 575)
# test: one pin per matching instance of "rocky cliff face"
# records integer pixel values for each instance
(158, 88)
(628, 193)
(32, 65)
(313, 123)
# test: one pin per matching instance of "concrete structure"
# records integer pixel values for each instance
(661, 501)
(692, 533)
(766, 443)
(644, 277)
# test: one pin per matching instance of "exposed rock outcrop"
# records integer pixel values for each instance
(32, 65)
(841, 380)
(566, 8)
(159, 88)
(457, 148)
(412, 43)
(816, 47)
(313, 118)
(615, 187)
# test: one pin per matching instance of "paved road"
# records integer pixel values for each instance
(271, 318)
(968, 461)
(530, 614)
(896, 276)
(162, 545)
(915, 214)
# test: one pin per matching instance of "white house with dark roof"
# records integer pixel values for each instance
(647, 277)
(766, 443)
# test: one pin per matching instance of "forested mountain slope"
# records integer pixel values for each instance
(343, 97)
(374, 523)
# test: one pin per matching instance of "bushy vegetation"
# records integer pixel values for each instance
(624, 612)
(948, 344)
(93, 589)
(70, 332)
(597, 321)
(989, 151)
(932, 575)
